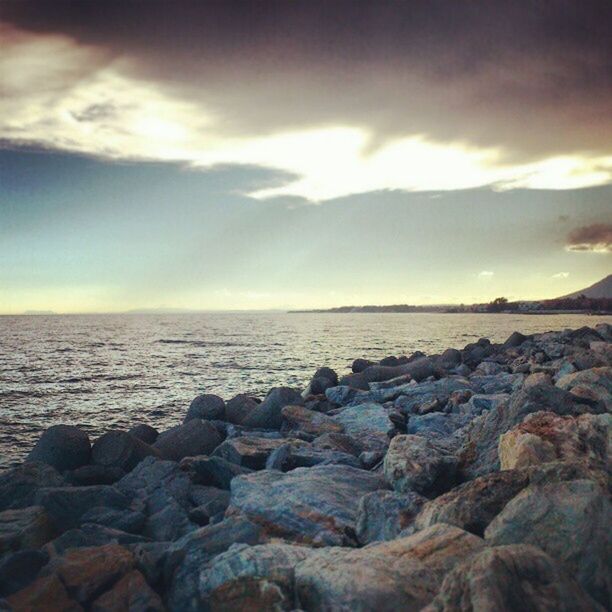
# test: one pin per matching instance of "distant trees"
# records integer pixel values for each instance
(497, 305)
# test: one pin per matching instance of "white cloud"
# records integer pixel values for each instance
(92, 106)
(560, 275)
(486, 274)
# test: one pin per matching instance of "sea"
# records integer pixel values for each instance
(117, 370)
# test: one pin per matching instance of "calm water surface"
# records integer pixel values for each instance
(103, 371)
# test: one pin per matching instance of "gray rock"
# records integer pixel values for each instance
(207, 407)
(196, 437)
(19, 486)
(315, 505)
(403, 574)
(369, 423)
(19, 569)
(150, 559)
(267, 415)
(132, 591)
(144, 432)
(436, 424)
(568, 520)
(338, 442)
(65, 506)
(239, 407)
(414, 463)
(354, 381)
(212, 471)
(473, 505)
(359, 365)
(252, 577)
(298, 418)
(450, 358)
(291, 456)
(515, 339)
(127, 520)
(479, 403)
(90, 534)
(64, 447)
(251, 453)
(341, 395)
(419, 369)
(118, 449)
(382, 515)
(24, 528)
(510, 578)
(327, 373)
(94, 475)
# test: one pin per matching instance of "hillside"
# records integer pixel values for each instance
(601, 289)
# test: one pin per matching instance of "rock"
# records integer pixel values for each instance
(239, 407)
(369, 423)
(341, 395)
(212, 471)
(473, 505)
(88, 572)
(291, 456)
(353, 381)
(519, 450)
(64, 447)
(186, 558)
(479, 455)
(310, 422)
(214, 503)
(515, 339)
(18, 486)
(318, 386)
(381, 515)
(359, 365)
(206, 407)
(479, 403)
(327, 373)
(131, 594)
(403, 574)
(488, 368)
(251, 453)
(66, 505)
(46, 593)
(150, 558)
(450, 358)
(409, 398)
(125, 520)
(509, 578)
(315, 505)
(414, 463)
(594, 376)
(195, 437)
(436, 425)
(338, 442)
(144, 432)
(89, 475)
(19, 569)
(568, 520)
(252, 577)
(118, 449)
(267, 415)
(419, 369)
(24, 528)
(88, 535)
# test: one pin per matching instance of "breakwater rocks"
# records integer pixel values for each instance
(477, 479)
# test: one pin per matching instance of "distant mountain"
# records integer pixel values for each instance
(601, 289)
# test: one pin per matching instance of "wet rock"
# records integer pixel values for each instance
(369, 423)
(251, 453)
(311, 422)
(118, 449)
(382, 515)
(473, 505)
(130, 594)
(195, 437)
(450, 358)
(64, 447)
(18, 486)
(212, 471)
(359, 365)
(252, 577)
(19, 569)
(338, 442)
(316, 505)
(186, 558)
(328, 373)
(24, 528)
(144, 432)
(88, 572)
(207, 407)
(88, 535)
(239, 407)
(414, 463)
(125, 520)
(267, 415)
(403, 574)
(509, 578)
(568, 520)
(46, 593)
(66, 505)
(89, 475)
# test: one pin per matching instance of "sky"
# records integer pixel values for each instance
(302, 153)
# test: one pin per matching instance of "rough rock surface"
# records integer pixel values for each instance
(64, 447)
(195, 437)
(207, 407)
(268, 415)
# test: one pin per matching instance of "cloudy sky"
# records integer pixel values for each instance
(298, 153)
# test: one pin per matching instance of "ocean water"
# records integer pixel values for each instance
(114, 371)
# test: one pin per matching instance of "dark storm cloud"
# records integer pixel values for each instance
(591, 238)
(534, 78)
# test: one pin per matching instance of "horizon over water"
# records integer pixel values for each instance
(117, 370)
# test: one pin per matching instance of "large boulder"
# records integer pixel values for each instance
(118, 449)
(338, 442)
(414, 463)
(144, 432)
(315, 505)
(369, 423)
(207, 407)
(38, 594)
(291, 456)
(252, 577)
(298, 418)
(239, 407)
(212, 471)
(403, 574)
(24, 528)
(268, 415)
(64, 447)
(195, 437)
(131, 593)
(473, 505)
(250, 452)
(568, 520)
(89, 535)
(510, 578)
(382, 515)
(19, 485)
(419, 369)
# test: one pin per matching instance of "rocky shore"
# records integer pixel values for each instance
(477, 479)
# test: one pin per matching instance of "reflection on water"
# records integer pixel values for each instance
(103, 371)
